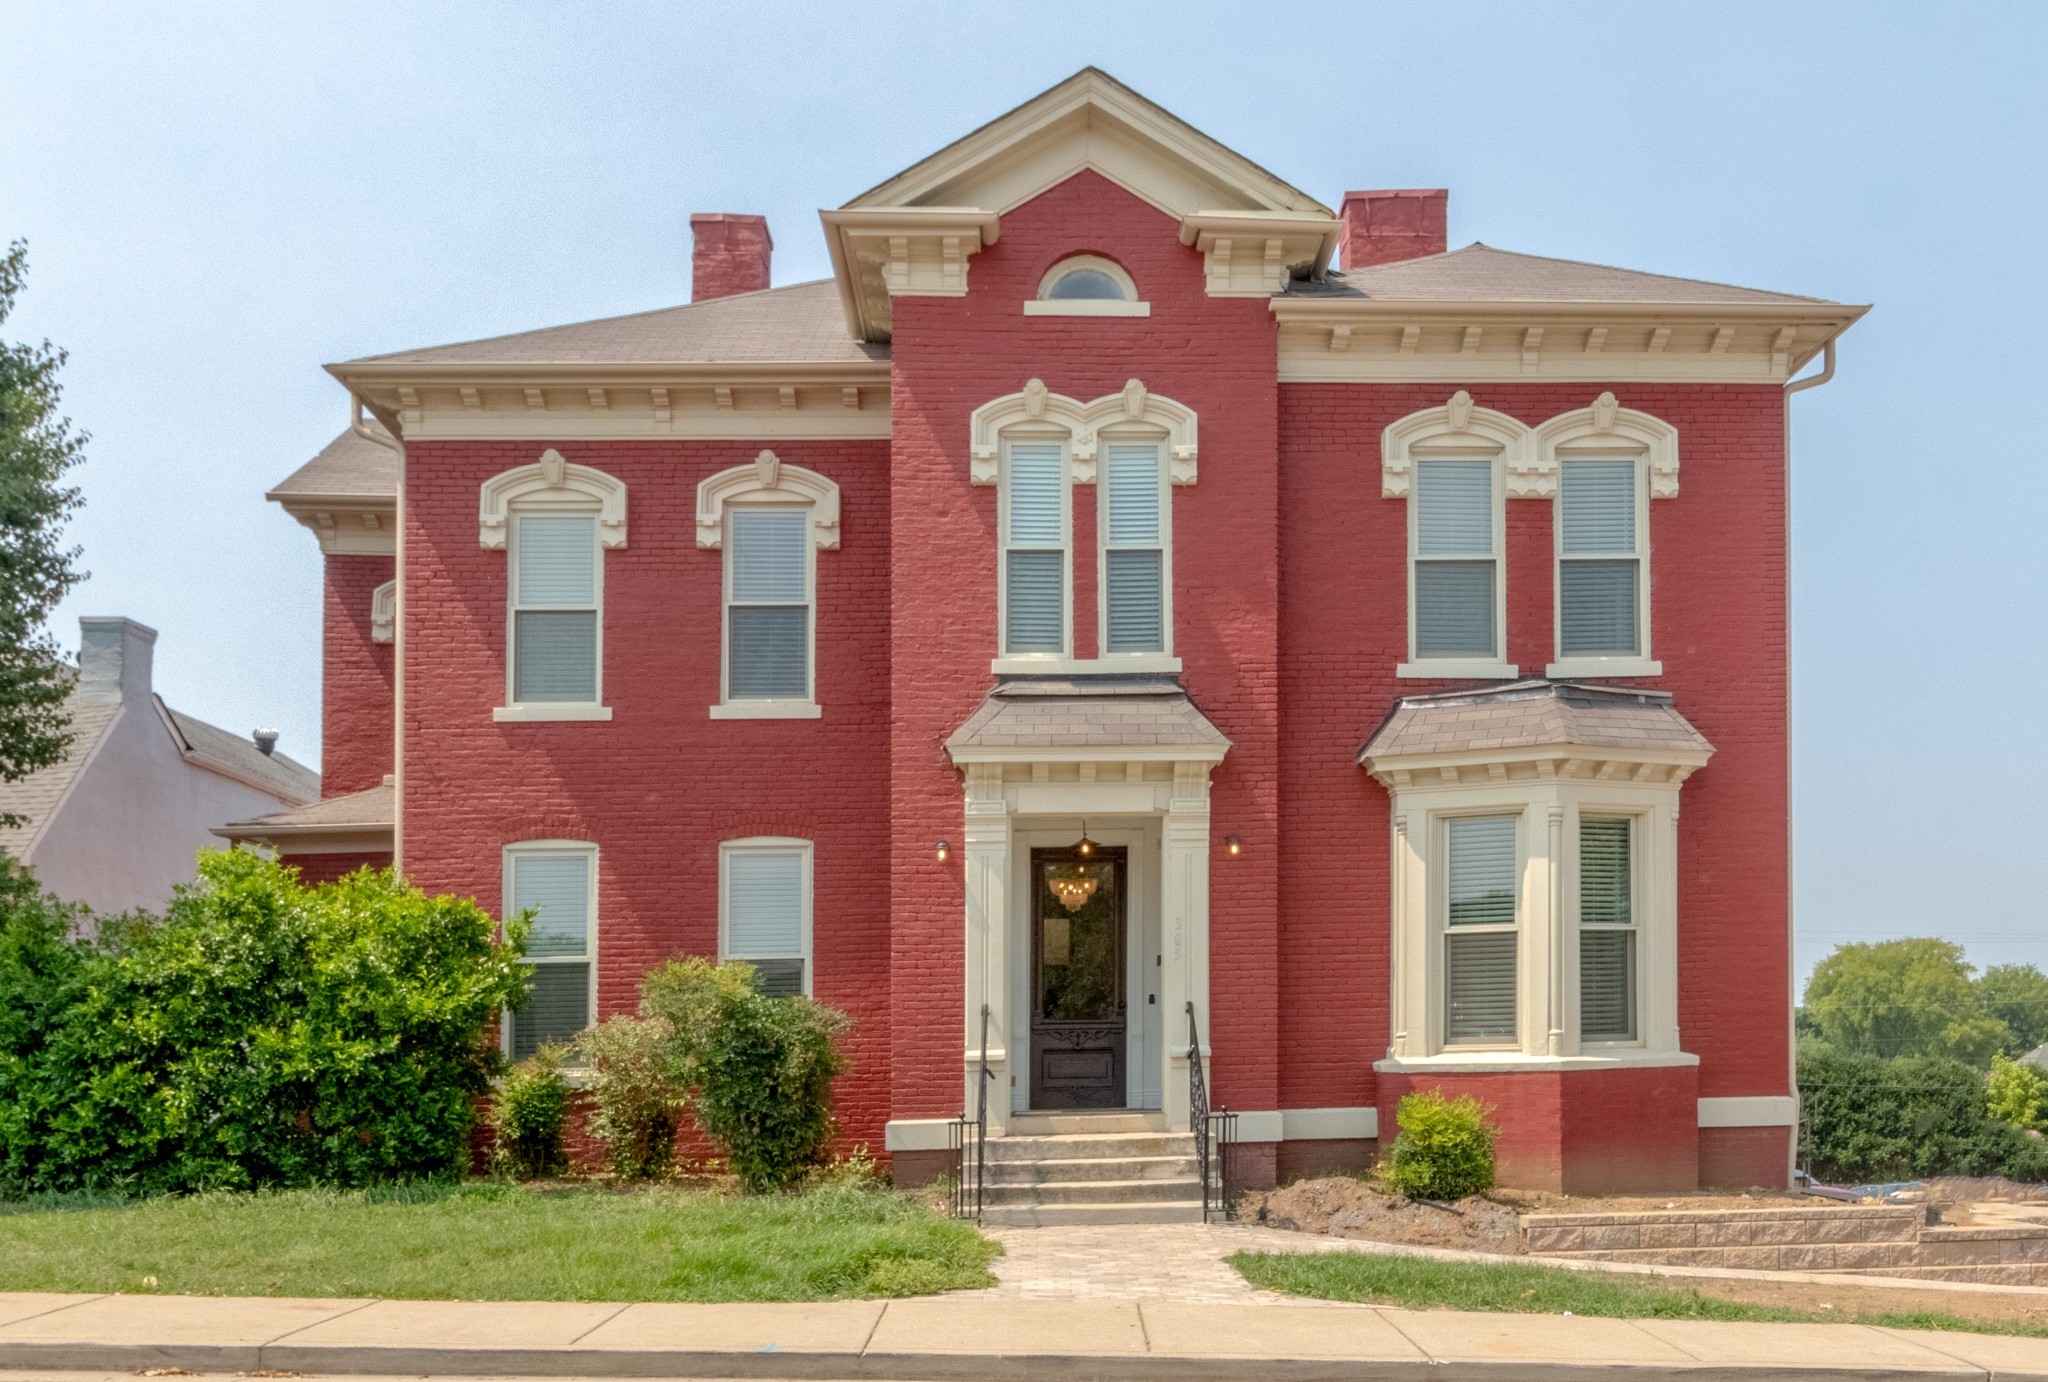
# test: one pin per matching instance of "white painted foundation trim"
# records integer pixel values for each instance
(1510, 1062)
(1754, 1111)
(1086, 307)
(766, 710)
(918, 1135)
(1328, 1124)
(1261, 1127)
(543, 710)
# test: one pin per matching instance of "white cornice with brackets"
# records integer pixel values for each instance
(1253, 254)
(908, 251)
(347, 525)
(1036, 407)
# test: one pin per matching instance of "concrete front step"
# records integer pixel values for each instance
(1050, 1215)
(1150, 1168)
(1092, 1192)
(1058, 1124)
(1120, 1146)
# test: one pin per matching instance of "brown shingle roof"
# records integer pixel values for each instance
(1481, 273)
(1108, 712)
(1535, 714)
(210, 744)
(366, 810)
(801, 324)
(349, 467)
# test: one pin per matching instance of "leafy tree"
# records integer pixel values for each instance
(2017, 995)
(37, 446)
(1903, 998)
(2017, 1094)
(1867, 1119)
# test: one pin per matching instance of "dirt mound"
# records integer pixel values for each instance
(1345, 1208)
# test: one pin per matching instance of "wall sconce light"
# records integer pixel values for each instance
(945, 851)
(1232, 845)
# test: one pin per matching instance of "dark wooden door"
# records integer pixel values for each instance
(1078, 1032)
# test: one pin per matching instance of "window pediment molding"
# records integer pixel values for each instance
(1462, 425)
(384, 612)
(768, 478)
(1037, 411)
(553, 485)
(1607, 426)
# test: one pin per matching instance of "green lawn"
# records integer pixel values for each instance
(1422, 1283)
(487, 1241)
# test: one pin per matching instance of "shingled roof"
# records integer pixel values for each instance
(1096, 712)
(1532, 715)
(366, 813)
(349, 467)
(1481, 273)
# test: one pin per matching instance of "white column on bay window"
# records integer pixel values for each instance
(555, 603)
(1481, 939)
(556, 886)
(1134, 551)
(1456, 568)
(768, 604)
(765, 907)
(1035, 549)
(1599, 579)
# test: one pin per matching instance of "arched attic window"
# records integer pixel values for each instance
(1087, 285)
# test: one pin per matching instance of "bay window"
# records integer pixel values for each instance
(1481, 888)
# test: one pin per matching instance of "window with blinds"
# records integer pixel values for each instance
(1599, 578)
(1607, 929)
(554, 608)
(764, 916)
(555, 886)
(1455, 565)
(1134, 550)
(768, 604)
(1480, 937)
(1035, 549)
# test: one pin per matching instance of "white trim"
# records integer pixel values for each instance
(767, 844)
(1254, 254)
(1457, 668)
(1085, 307)
(590, 938)
(1065, 550)
(1510, 1062)
(384, 612)
(1608, 427)
(539, 711)
(1460, 426)
(1328, 1124)
(1052, 664)
(1750, 1111)
(1497, 664)
(768, 479)
(1603, 433)
(1073, 262)
(552, 485)
(1582, 668)
(514, 708)
(1035, 409)
(1267, 1126)
(917, 1135)
(767, 710)
(1132, 661)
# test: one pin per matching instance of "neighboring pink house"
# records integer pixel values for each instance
(1403, 631)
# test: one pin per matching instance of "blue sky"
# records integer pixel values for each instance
(219, 198)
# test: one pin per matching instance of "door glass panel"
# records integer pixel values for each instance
(1078, 961)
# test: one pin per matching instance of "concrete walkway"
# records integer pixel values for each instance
(966, 1335)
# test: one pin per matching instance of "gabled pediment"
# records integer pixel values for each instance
(1090, 121)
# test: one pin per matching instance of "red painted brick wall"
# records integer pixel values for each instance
(356, 727)
(950, 356)
(1737, 1158)
(660, 785)
(325, 868)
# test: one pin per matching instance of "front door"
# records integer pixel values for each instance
(1077, 978)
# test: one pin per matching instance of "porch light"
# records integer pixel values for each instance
(1232, 845)
(1085, 846)
(945, 851)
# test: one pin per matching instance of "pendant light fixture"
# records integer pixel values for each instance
(1085, 847)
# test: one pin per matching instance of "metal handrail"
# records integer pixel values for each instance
(1215, 1130)
(981, 1115)
(967, 1170)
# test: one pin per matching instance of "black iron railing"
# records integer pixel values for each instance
(969, 1140)
(1215, 1130)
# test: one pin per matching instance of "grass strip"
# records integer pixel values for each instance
(488, 1241)
(1420, 1283)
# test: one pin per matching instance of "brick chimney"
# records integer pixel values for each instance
(731, 255)
(1385, 227)
(113, 658)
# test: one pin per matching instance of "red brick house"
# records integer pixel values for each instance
(1129, 588)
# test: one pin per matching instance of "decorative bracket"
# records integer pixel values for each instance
(768, 475)
(552, 485)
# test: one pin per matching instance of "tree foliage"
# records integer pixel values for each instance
(1444, 1148)
(1868, 1119)
(529, 1112)
(1910, 997)
(636, 1101)
(2017, 995)
(2017, 1094)
(37, 447)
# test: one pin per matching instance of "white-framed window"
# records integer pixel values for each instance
(1603, 568)
(555, 880)
(1609, 1001)
(1136, 580)
(1087, 285)
(769, 574)
(1481, 896)
(764, 910)
(1457, 597)
(1037, 533)
(556, 632)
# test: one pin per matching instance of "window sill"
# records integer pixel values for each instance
(1050, 665)
(1571, 667)
(766, 710)
(543, 710)
(1507, 1062)
(1458, 669)
(1086, 307)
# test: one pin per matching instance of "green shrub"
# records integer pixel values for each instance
(1867, 1119)
(761, 1068)
(2017, 1094)
(261, 1033)
(1444, 1149)
(528, 1113)
(635, 1099)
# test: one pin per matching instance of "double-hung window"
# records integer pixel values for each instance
(1035, 549)
(1134, 575)
(1607, 929)
(768, 604)
(1455, 572)
(557, 592)
(765, 911)
(557, 884)
(1600, 559)
(1480, 936)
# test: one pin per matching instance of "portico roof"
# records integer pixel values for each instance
(1106, 716)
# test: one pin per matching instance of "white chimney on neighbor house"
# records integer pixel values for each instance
(114, 657)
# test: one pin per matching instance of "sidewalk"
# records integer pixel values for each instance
(961, 1336)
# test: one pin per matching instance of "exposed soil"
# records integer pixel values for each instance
(1346, 1208)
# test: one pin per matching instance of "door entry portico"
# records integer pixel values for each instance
(1079, 1025)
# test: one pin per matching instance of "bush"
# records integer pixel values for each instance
(261, 1033)
(635, 1099)
(1444, 1149)
(1871, 1120)
(2017, 1094)
(528, 1113)
(761, 1068)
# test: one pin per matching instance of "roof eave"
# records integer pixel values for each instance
(1531, 753)
(1326, 308)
